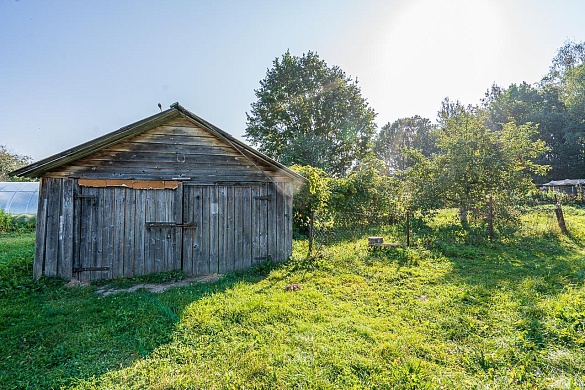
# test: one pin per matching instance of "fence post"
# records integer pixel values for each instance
(408, 228)
(561, 218)
(311, 232)
(491, 218)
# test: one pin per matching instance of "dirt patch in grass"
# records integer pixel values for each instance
(152, 287)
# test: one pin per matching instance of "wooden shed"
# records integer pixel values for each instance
(168, 192)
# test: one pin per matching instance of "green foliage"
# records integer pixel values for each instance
(365, 194)
(556, 105)
(404, 134)
(475, 163)
(311, 198)
(20, 223)
(452, 314)
(9, 161)
(365, 190)
(309, 113)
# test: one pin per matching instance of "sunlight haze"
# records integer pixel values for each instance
(72, 71)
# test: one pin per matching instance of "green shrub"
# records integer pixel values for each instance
(20, 223)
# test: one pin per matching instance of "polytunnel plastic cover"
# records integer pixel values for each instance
(18, 198)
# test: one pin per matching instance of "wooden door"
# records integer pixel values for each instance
(90, 261)
(125, 232)
(163, 230)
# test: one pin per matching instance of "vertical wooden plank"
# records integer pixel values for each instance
(280, 222)
(41, 230)
(231, 239)
(99, 231)
(202, 248)
(108, 229)
(53, 226)
(129, 232)
(66, 236)
(213, 230)
(188, 237)
(141, 234)
(94, 233)
(247, 227)
(262, 225)
(76, 228)
(118, 235)
(256, 213)
(164, 208)
(288, 202)
(163, 236)
(223, 229)
(177, 244)
(87, 231)
(238, 228)
(271, 222)
(151, 235)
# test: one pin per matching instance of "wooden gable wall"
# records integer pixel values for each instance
(176, 150)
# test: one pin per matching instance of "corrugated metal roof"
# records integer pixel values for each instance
(19, 197)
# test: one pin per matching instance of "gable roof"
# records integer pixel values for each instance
(175, 111)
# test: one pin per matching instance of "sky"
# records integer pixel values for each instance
(71, 71)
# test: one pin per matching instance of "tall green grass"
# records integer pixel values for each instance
(453, 312)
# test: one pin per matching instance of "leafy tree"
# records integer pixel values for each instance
(365, 193)
(568, 56)
(474, 162)
(403, 134)
(311, 198)
(9, 161)
(309, 113)
(558, 127)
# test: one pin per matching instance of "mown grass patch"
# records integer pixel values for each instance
(450, 314)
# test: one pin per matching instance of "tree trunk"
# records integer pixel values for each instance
(463, 211)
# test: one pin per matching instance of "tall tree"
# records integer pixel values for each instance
(474, 162)
(309, 113)
(404, 134)
(9, 161)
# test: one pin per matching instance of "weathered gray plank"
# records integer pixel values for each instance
(118, 233)
(213, 229)
(194, 158)
(41, 230)
(247, 228)
(230, 229)
(53, 226)
(66, 235)
(238, 228)
(129, 233)
(280, 222)
(140, 234)
(271, 250)
(188, 241)
(177, 215)
(288, 201)
(223, 229)
(153, 240)
(203, 264)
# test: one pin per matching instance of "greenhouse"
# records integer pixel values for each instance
(19, 198)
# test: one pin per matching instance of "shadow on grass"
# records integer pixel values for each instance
(54, 336)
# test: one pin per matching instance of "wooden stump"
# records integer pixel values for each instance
(375, 240)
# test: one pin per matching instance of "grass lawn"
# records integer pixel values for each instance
(453, 313)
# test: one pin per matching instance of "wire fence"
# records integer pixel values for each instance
(405, 230)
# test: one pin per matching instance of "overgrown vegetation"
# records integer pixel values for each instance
(453, 312)
(20, 223)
